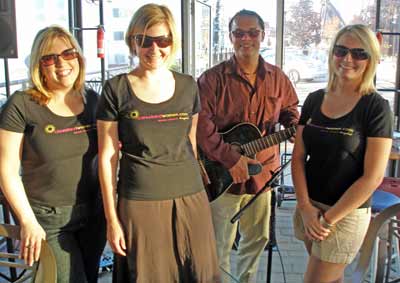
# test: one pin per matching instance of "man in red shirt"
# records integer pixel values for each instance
(244, 88)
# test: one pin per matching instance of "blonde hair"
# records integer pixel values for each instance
(370, 43)
(41, 44)
(147, 16)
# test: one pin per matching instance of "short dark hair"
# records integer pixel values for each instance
(250, 13)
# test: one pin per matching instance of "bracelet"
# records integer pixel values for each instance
(324, 223)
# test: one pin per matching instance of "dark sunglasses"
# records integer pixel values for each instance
(356, 53)
(51, 59)
(241, 33)
(146, 41)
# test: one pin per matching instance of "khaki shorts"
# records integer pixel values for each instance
(343, 244)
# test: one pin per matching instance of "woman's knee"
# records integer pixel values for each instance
(323, 272)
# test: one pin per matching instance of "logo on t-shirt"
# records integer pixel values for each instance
(134, 114)
(167, 117)
(332, 130)
(51, 129)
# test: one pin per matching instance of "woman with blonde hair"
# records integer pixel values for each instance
(49, 130)
(341, 151)
(160, 228)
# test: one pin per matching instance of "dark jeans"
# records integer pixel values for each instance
(77, 235)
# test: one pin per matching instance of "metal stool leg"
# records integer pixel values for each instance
(9, 241)
(392, 257)
(396, 256)
(373, 264)
(392, 248)
(272, 236)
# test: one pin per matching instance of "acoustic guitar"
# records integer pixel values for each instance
(247, 140)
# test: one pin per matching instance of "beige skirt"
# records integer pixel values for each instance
(167, 241)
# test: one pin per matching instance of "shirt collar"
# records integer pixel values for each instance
(232, 66)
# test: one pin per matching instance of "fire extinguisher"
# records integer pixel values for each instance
(379, 36)
(100, 42)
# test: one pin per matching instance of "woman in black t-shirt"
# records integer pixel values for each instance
(161, 228)
(50, 131)
(341, 151)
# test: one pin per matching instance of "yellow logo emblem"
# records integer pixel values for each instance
(50, 129)
(134, 114)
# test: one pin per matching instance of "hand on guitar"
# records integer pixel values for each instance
(239, 171)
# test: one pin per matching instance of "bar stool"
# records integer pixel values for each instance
(380, 201)
(372, 240)
(8, 218)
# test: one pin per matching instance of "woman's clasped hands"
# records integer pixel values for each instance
(315, 225)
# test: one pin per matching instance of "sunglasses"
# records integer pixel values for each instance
(51, 59)
(241, 33)
(146, 41)
(356, 53)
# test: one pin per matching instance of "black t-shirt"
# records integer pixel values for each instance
(157, 157)
(335, 148)
(58, 155)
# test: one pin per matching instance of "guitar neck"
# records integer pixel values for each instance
(260, 144)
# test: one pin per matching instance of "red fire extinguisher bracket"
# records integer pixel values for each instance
(100, 41)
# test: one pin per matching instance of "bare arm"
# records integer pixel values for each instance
(298, 170)
(108, 164)
(309, 213)
(32, 233)
(192, 134)
(375, 162)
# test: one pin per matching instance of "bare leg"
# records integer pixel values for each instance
(323, 272)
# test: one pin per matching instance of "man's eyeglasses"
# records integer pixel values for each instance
(356, 53)
(241, 33)
(51, 59)
(146, 41)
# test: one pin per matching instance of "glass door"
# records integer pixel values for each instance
(202, 37)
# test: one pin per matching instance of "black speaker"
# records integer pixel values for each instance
(8, 29)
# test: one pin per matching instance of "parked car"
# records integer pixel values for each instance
(299, 67)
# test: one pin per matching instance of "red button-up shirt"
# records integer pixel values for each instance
(228, 98)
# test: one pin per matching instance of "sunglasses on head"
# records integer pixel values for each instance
(51, 59)
(356, 53)
(241, 33)
(146, 41)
